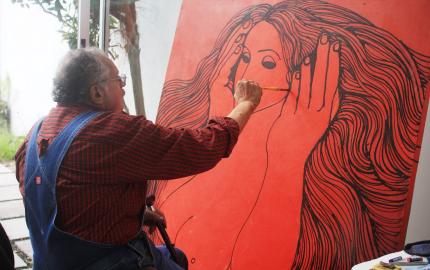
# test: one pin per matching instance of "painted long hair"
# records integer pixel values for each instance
(357, 177)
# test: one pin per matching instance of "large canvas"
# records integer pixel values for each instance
(322, 176)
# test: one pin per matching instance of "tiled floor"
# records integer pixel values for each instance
(12, 218)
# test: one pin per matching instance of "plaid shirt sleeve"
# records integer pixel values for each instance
(140, 149)
(148, 151)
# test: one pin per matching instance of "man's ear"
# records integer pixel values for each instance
(97, 96)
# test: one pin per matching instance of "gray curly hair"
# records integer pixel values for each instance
(77, 72)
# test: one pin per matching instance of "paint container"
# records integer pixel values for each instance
(396, 259)
(415, 259)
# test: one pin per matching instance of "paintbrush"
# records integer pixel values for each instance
(272, 88)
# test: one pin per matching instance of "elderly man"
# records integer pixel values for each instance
(83, 170)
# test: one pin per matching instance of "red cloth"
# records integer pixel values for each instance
(101, 183)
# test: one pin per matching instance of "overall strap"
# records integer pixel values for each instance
(31, 156)
(58, 149)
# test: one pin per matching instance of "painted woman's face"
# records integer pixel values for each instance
(261, 61)
(262, 58)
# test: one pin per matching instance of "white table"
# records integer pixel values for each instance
(369, 264)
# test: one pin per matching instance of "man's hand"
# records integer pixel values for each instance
(247, 95)
(248, 91)
(153, 218)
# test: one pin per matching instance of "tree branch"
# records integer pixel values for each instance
(45, 10)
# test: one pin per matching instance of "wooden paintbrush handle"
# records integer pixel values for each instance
(270, 88)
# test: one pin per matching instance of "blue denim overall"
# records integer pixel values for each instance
(55, 249)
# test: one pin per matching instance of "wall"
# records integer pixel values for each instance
(419, 219)
(157, 24)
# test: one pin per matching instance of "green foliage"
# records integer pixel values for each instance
(8, 144)
(66, 11)
(4, 114)
(5, 87)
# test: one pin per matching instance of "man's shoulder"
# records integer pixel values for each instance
(118, 119)
(115, 126)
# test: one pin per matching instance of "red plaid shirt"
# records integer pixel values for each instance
(101, 183)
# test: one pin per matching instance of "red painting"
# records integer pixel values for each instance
(322, 176)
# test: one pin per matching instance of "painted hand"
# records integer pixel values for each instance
(316, 92)
(230, 54)
(313, 99)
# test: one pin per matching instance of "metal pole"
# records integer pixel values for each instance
(104, 25)
(84, 24)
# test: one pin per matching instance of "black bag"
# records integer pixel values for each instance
(6, 253)
(421, 248)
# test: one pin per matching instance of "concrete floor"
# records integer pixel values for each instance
(12, 217)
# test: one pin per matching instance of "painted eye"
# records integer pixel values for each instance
(246, 58)
(268, 62)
